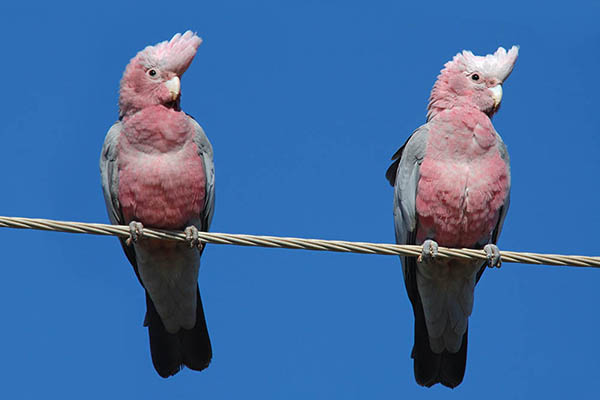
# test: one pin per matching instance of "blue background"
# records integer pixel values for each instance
(305, 103)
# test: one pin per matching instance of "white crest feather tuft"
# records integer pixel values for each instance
(498, 65)
(174, 55)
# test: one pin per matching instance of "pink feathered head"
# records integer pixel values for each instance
(473, 81)
(144, 81)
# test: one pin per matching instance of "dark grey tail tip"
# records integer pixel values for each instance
(168, 374)
(446, 384)
(200, 367)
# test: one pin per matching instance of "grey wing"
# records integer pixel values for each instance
(110, 174)
(206, 152)
(406, 179)
(504, 154)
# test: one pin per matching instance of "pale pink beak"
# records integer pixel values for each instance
(174, 86)
(496, 95)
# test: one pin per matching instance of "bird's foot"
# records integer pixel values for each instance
(191, 235)
(429, 252)
(493, 255)
(136, 232)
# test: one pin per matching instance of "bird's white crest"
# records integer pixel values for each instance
(174, 55)
(498, 65)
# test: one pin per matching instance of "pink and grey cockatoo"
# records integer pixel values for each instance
(452, 188)
(157, 171)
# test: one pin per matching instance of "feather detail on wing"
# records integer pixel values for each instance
(404, 173)
(109, 172)
(206, 152)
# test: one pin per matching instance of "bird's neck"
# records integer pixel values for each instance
(157, 129)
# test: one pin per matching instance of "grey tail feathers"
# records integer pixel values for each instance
(188, 347)
(431, 368)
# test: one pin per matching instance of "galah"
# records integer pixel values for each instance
(157, 171)
(451, 188)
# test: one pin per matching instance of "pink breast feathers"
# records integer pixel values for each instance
(162, 182)
(463, 184)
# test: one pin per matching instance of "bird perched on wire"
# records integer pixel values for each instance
(157, 171)
(451, 187)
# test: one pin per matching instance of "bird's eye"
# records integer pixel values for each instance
(475, 77)
(152, 72)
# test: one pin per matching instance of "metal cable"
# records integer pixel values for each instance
(296, 243)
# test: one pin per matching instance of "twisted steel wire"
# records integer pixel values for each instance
(296, 243)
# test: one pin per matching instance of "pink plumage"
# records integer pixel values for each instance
(159, 190)
(453, 87)
(464, 181)
(168, 59)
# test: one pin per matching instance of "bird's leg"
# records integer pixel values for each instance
(136, 232)
(493, 255)
(429, 252)
(191, 235)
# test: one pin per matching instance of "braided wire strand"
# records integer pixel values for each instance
(296, 243)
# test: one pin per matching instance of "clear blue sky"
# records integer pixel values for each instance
(304, 102)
